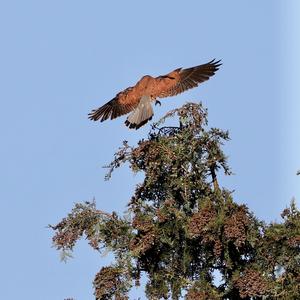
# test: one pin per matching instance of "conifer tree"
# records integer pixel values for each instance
(182, 227)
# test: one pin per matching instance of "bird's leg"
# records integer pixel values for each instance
(157, 102)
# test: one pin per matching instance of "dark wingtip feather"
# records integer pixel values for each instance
(94, 115)
(103, 112)
(215, 63)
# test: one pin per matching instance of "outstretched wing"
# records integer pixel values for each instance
(181, 80)
(123, 103)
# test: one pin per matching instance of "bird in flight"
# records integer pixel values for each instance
(138, 99)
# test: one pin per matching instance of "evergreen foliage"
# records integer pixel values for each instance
(183, 228)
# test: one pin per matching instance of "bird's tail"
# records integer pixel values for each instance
(141, 115)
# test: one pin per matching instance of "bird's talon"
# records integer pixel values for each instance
(157, 102)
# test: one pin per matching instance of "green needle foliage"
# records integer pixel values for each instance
(181, 228)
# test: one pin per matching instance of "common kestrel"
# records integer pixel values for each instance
(137, 99)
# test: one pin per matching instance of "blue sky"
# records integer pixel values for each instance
(60, 59)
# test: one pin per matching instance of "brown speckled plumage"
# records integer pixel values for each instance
(139, 97)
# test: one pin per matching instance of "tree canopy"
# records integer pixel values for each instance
(182, 229)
